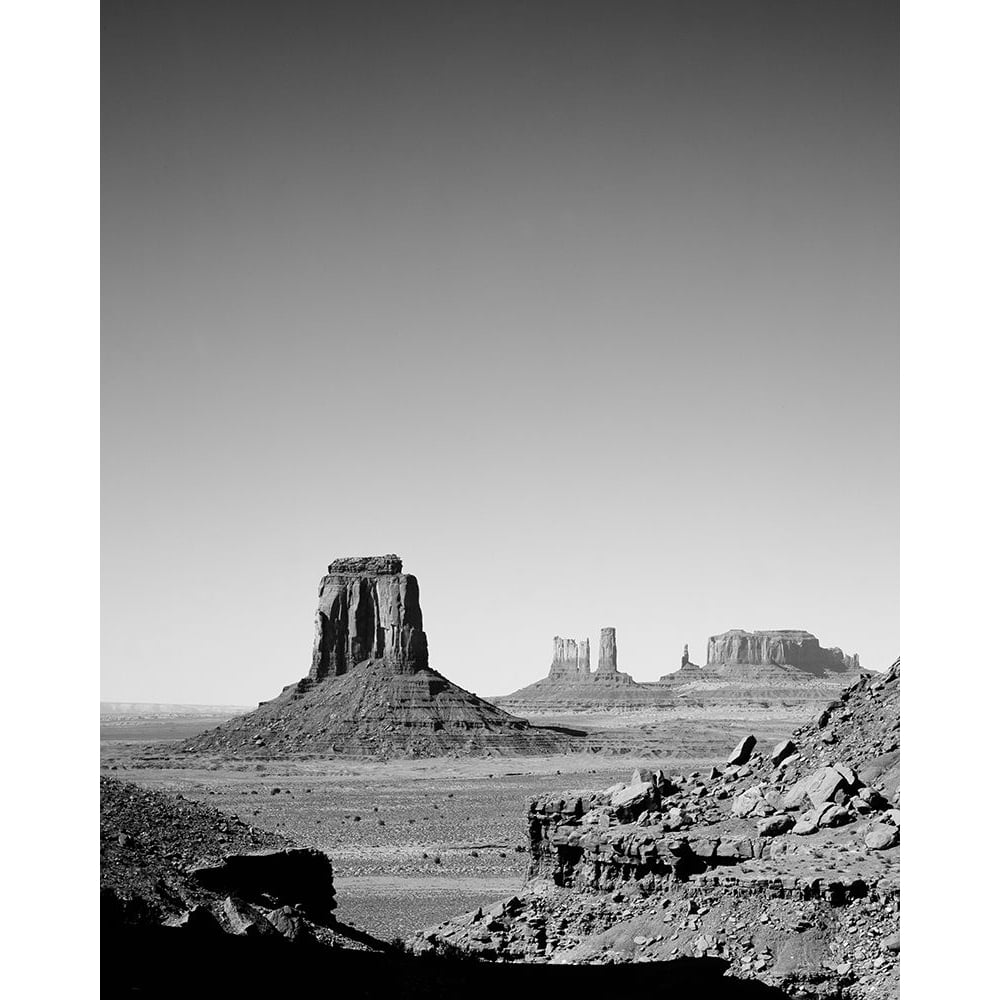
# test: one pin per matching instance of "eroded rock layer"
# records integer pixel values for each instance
(785, 668)
(783, 864)
(784, 648)
(570, 660)
(166, 861)
(370, 690)
(368, 610)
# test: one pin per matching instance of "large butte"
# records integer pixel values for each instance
(370, 689)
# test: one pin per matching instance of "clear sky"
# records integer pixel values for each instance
(587, 310)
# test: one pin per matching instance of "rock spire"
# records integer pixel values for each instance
(608, 661)
(570, 659)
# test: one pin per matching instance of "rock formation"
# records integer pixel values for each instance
(787, 667)
(782, 648)
(166, 861)
(570, 660)
(687, 673)
(608, 662)
(368, 610)
(370, 690)
(570, 684)
(784, 865)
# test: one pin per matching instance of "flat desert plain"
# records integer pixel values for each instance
(414, 842)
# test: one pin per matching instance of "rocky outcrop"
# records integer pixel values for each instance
(571, 686)
(168, 862)
(368, 610)
(787, 668)
(785, 864)
(687, 673)
(370, 690)
(608, 662)
(570, 660)
(607, 665)
(783, 648)
(299, 875)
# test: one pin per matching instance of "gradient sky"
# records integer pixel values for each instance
(587, 310)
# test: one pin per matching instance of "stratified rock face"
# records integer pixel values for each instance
(608, 661)
(368, 610)
(745, 668)
(783, 648)
(570, 660)
(792, 869)
(370, 690)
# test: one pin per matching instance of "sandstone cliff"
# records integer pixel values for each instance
(787, 667)
(570, 660)
(368, 610)
(608, 662)
(783, 648)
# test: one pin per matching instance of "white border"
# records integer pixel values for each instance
(949, 497)
(51, 553)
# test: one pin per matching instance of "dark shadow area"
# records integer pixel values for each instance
(170, 962)
(561, 730)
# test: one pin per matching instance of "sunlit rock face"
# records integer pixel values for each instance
(570, 659)
(368, 610)
(608, 661)
(782, 648)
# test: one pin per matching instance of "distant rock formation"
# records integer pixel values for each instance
(370, 690)
(570, 660)
(608, 662)
(783, 648)
(687, 673)
(786, 667)
(607, 665)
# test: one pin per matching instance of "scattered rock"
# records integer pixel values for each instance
(881, 838)
(784, 749)
(741, 754)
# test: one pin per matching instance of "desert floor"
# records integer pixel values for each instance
(416, 841)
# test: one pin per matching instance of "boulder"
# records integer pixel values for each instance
(743, 750)
(634, 799)
(288, 922)
(881, 837)
(746, 802)
(736, 849)
(771, 826)
(848, 774)
(819, 787)
(243, 920)
(806, 824)
(199, 920)
(832, 815)
(784, 749)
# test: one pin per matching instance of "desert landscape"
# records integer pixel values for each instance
(499, 544)
(375, 807)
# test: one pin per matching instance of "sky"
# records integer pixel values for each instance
(589, 311)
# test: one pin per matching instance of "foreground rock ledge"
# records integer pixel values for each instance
(788, 871)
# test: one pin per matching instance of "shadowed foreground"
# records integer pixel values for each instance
(169, 962)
